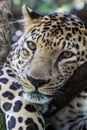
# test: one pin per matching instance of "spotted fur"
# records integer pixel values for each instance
(19, 113)
(51, 49)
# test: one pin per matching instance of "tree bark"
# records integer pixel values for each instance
(4, 31)
(4, 43)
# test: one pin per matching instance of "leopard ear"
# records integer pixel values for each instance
(29, 15)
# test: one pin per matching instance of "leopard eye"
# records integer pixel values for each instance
(31, 45)
(65, 55)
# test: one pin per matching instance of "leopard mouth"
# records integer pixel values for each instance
(36, 97)
(39, 94)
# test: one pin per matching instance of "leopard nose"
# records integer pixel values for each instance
(37, 82)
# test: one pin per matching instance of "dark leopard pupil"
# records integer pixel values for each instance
(67, 54)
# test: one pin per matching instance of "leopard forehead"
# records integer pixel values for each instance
(58, 29)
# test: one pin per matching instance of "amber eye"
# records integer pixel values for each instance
(65, 55)
(31, 45)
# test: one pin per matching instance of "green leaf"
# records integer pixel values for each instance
(2, 121)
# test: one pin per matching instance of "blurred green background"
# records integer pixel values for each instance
(78, 7)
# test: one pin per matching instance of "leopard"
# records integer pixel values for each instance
(52, 47)
(15, 107)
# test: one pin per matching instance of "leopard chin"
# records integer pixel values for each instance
(37, 98)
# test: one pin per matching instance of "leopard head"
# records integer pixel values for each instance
(51, 49)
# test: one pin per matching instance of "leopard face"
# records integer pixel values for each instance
(51, 49)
